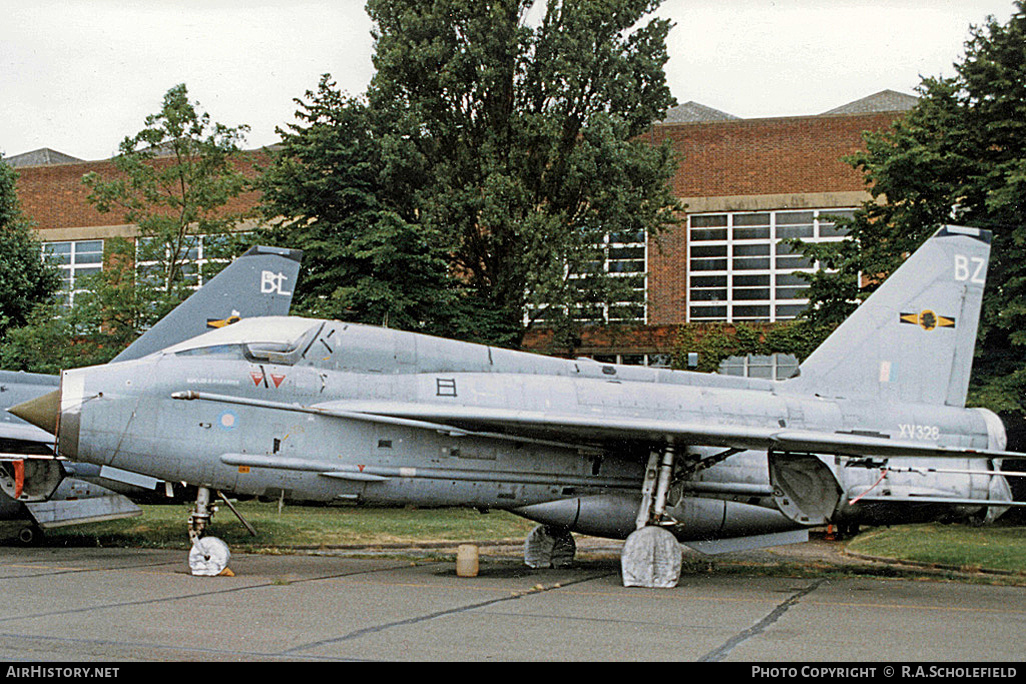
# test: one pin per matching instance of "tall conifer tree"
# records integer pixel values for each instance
(502, 152)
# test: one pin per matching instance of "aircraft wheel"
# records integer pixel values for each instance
(549, 547)
(978, 519)
(848, 530)
(651, 557)
(30, 535)
(209, 557)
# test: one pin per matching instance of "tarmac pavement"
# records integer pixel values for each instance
(124, 605)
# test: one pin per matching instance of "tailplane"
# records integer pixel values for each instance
(259, 283)
(912, 340)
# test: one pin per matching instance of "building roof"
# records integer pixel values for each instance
(691, 112)
(40, 157)
(883, 101)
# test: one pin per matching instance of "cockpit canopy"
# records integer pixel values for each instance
(269, 339)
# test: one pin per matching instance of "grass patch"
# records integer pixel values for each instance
(165, 526)
(994, 547)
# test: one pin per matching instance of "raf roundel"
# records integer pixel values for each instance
(227, 420)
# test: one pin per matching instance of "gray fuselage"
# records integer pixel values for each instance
(272, 419)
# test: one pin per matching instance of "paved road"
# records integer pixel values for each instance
(132, 604)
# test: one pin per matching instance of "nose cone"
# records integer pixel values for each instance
(41, 411)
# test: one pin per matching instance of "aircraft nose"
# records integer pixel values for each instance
(41, 411)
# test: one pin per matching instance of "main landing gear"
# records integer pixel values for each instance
(651, 556)
(549, 547)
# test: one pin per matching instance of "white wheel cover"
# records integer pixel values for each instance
(209, 557)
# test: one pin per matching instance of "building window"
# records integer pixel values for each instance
(655, 360)
(624, 255)
(770, 367)
(75, 259)
(203, 251)
(627, 257)
(740, 270)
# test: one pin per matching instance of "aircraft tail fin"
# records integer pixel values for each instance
(913, 339)
(259, 283)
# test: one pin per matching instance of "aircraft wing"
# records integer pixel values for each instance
(23, 433)
(76, 502)
(599, 430)
(788, 447)
(16, 435)
(19, 440)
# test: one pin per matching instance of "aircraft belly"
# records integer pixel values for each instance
(954, 485)
(283, 440)
(322, 458)
(441, 470)
(442, 492)
(296, 486)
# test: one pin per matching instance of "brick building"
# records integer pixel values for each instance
(747, 183)
(73, 232)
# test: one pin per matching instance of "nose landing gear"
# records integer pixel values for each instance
(209, 556)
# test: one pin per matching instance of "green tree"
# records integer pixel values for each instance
(958, 157)
(100, 323)
(174, 180)
(509, 150)
(365, 259)
(25, 279)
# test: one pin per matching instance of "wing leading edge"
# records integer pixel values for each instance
(596, 432)
(601, 430)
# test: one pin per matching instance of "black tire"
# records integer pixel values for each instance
(30, 535)
(848, 530)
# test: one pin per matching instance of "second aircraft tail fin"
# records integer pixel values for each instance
(259, 283)
(913, 338)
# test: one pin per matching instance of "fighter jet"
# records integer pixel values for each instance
(874, 429)
(49, 493)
